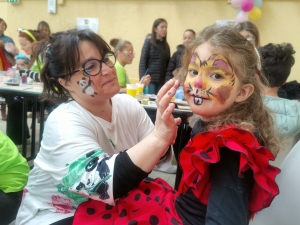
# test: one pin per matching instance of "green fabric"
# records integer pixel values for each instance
(37, 67)
(13, 167)
(122, 75)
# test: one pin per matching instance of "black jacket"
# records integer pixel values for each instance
(175, 62)
(155, 59)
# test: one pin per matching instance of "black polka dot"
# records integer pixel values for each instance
(147, 191)
(148, 180)
(106, 216)
(90, 211)
(148, 199)
(167, 209)
(160, 182)
(153, 220)
(174, 221)
(157, 198)
(173, 192)
(108, 207)
(133, 222)
(137, 197)
(123, 213)
(164, 187)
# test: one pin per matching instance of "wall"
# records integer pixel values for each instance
(132, 20)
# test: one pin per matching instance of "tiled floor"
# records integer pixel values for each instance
(170, 178)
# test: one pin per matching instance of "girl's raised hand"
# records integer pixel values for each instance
(166, 125)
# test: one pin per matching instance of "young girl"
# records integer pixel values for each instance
(226, 174)
(22, 62)
(124, 55)
(155, 56)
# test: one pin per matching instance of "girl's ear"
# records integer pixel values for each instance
(245, 92)
(64, 83)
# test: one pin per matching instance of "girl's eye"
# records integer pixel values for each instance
(193, 72)
(217, 76)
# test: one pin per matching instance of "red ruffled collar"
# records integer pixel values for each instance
(204, 149)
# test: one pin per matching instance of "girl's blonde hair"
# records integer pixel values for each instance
(250, 114)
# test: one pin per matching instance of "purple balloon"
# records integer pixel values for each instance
(247, 5)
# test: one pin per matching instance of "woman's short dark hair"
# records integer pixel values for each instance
(62, 59)
(2, 20)
(276, 61)
(43, 24)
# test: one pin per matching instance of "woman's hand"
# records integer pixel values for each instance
(166, 125)
(147, 80)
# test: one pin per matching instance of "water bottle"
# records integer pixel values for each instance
(146, 90)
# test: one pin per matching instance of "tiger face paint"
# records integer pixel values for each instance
(211, 85)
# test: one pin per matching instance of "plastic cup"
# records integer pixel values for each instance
(131, 89)
(140, 88)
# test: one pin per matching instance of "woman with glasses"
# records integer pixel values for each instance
(249, 31)
(123, 50)
(96, 144)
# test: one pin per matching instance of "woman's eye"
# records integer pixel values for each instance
(90, 67)
(193, 72)
(217, 76)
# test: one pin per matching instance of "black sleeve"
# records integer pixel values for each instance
(229, 194)
(144, 58)
(126, 175)
(171, 67)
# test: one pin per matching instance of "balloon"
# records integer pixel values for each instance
(257, 3)
(236, 3)
(247, 5)
(255, 13)
(241, 17)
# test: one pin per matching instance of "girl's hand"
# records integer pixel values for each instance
(166, 125)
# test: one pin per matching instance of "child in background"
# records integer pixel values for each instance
(22, 62)
(226, 173)
(123, 50)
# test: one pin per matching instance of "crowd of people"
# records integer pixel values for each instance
(99, 146)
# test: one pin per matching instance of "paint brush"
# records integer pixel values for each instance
(144, 76)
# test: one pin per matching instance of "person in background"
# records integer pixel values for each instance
(22, 62)
(14, 172)
(44, 28)
(28, 40)
(276, 64)
(226, 177)
(8, 41)
(173, 70)
(123, 50)
(155, 56)
(4, 66)
(95, 124)
(249, 31)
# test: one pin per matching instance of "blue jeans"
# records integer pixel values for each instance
(154, 87)
(9, 206)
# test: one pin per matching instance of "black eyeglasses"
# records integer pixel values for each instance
(92, 67)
